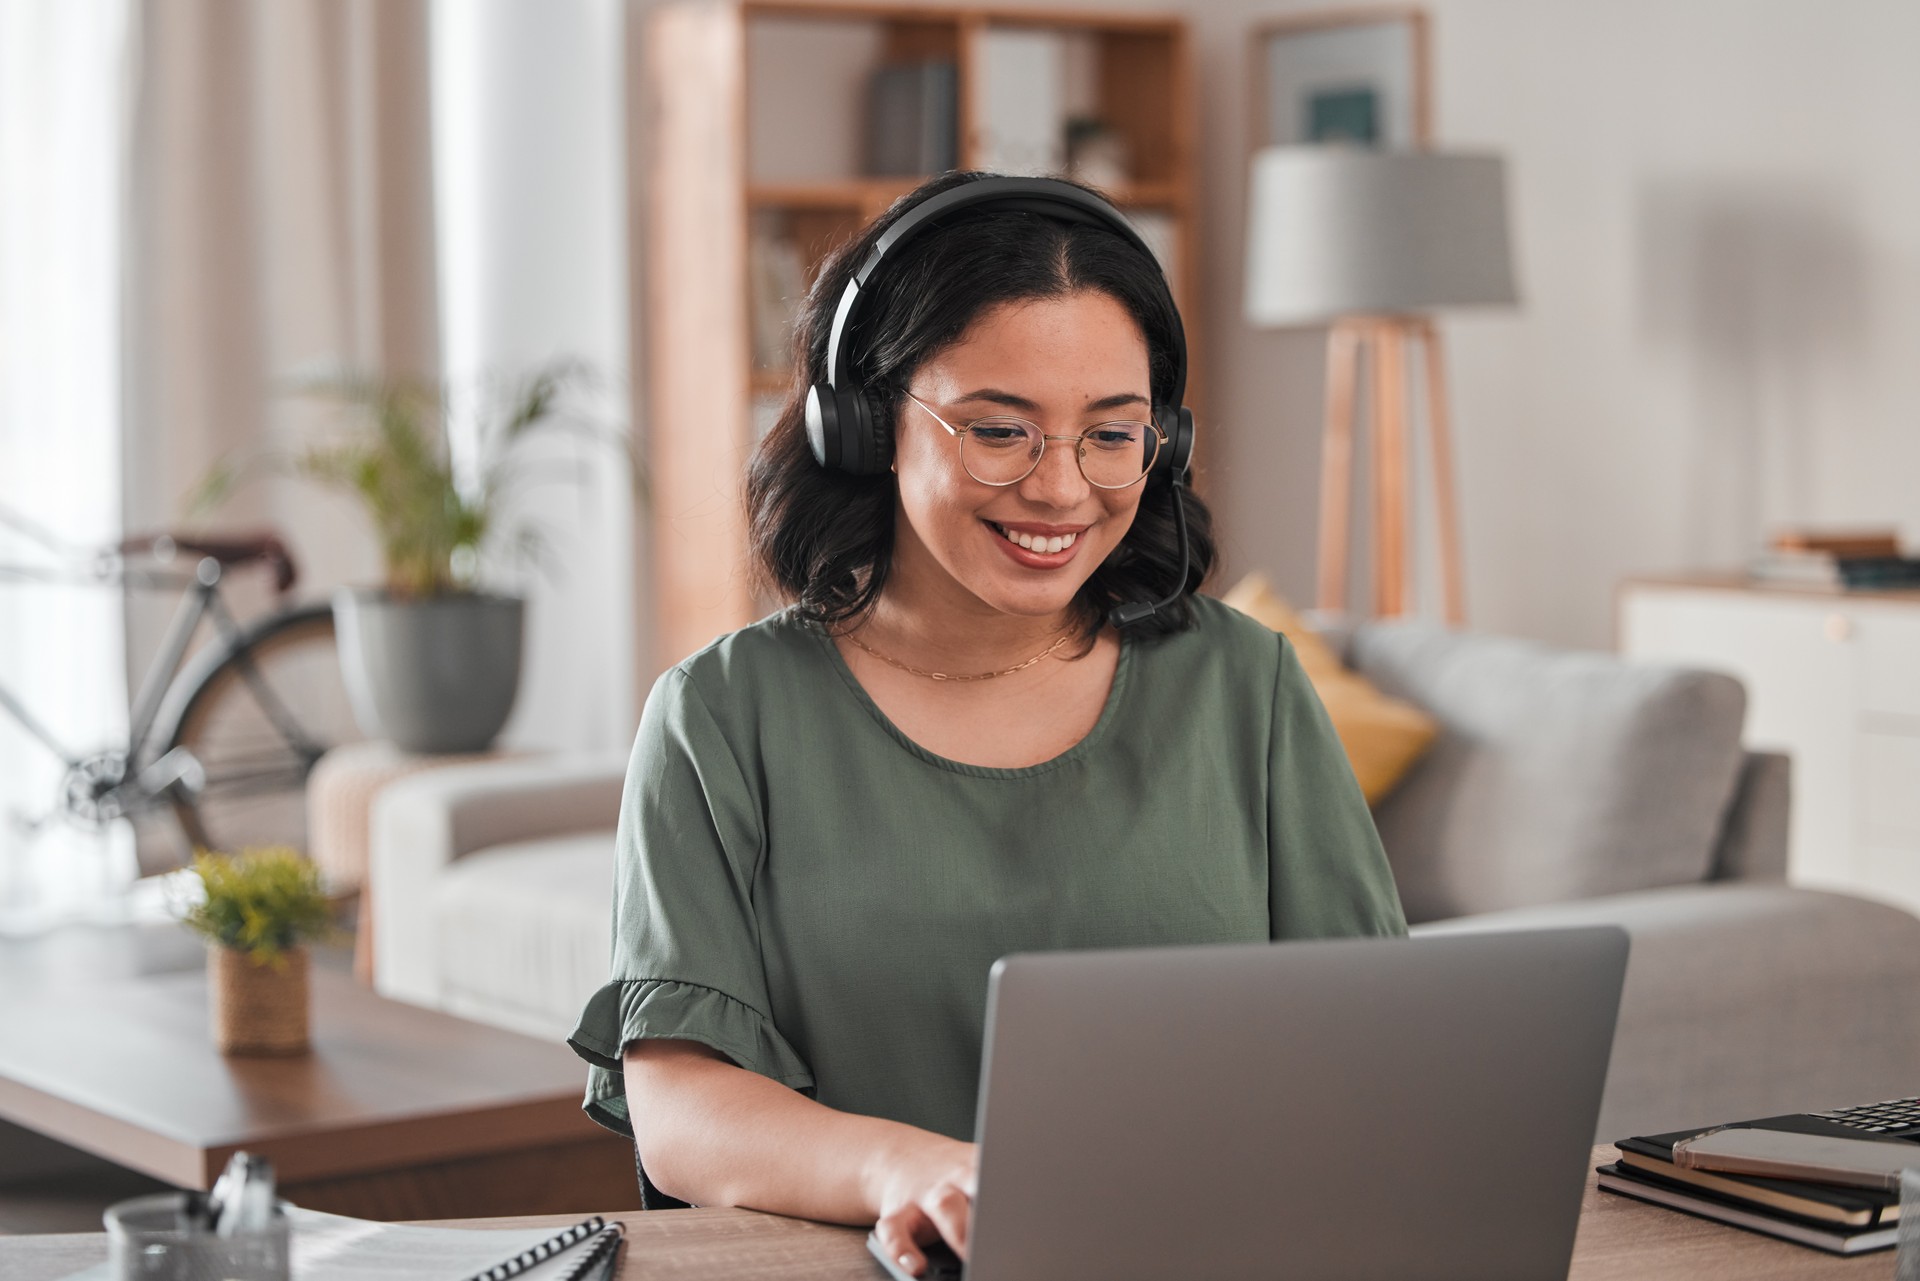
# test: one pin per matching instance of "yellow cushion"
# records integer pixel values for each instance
(1383, 736)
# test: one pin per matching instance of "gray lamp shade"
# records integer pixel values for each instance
(1340, 231)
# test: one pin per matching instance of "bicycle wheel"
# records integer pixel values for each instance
(257, 713)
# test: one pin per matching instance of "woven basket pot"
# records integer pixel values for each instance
(258, 1009)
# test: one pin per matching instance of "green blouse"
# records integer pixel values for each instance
(805, 889)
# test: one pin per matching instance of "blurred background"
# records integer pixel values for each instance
(1711, 242)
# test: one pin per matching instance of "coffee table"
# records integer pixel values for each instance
(397, 1113)
(1619, 1240)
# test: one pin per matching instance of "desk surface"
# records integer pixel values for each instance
(1619, 1240)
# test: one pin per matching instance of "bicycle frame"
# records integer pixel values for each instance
(166, 759)
(202, 598)
(154, 776)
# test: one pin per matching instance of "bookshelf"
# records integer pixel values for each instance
(765, 156)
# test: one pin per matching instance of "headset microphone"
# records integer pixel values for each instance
(1140, 611)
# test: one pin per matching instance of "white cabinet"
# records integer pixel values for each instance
(1834, 681)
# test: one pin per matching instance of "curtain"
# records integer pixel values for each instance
(206, 199)
(282, 225)
(63, 128)
(317, 183)
(530, 152)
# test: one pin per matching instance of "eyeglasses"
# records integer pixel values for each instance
(1004, 451)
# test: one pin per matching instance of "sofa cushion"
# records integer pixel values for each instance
(525, 931)
(1383, 737)
(1557, 774)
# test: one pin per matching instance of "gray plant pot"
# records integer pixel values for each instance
(435, 675)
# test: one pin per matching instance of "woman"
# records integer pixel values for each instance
(946, 750)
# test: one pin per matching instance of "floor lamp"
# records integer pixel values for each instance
(1369, 243)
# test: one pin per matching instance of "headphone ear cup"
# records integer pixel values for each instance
(847, 431)
(878, 436)
(823, 426)
(1176, 456)
(865, 445)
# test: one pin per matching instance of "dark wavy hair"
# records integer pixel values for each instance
(824, 539)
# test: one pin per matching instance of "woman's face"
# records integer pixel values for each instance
(1064, 363)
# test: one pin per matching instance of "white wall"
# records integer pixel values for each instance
(530, 164)
(1718, 215)
(1717, 209)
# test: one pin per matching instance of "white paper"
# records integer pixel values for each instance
(331, 1247)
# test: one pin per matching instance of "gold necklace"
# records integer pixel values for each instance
(978, 676)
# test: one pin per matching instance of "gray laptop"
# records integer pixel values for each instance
(1356, 1108)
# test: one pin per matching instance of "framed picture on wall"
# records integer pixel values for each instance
(1350, 77)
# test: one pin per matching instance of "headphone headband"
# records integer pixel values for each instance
(1047, 197)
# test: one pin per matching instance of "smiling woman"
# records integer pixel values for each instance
(969, 735)
(825, 535)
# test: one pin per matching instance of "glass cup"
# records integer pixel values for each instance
(150, 1238)
(1906, 1266)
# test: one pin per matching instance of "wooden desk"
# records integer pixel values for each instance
(1619, 1240)
(398, 1113)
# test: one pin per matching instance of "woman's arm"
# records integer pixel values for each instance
(712, 1133)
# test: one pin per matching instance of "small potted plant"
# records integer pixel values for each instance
(258, 910)
(431, 660)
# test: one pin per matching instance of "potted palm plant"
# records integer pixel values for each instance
(257, 910)
(430, 658)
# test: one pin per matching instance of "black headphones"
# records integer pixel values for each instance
(845, 425)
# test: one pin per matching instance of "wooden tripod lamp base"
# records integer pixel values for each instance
(1378, 348)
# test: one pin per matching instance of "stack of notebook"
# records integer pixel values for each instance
(1843, 1220)
(1856, 559)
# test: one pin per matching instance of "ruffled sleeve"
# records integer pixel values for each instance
(686, 954)
(638, 1008)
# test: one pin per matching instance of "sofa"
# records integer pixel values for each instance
(1563, 788)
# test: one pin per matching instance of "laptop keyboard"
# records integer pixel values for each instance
(1896, 1118)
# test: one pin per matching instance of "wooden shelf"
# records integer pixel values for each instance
(762, 94)
(1006, 15)
(856, 194)
(1150, 195)
(861, 194)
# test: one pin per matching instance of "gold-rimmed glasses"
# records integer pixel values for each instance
(1002, 450)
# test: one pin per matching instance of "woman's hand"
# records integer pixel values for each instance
(716, 1134)
(925, 1193)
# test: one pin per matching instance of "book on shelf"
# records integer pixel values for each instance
(1827, 569)
(776, 284)
(1859, 543)
(1023, 100)
(913, 119)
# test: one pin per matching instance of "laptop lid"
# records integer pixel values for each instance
(1416, 1108)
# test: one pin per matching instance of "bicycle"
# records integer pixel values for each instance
(224, 735)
